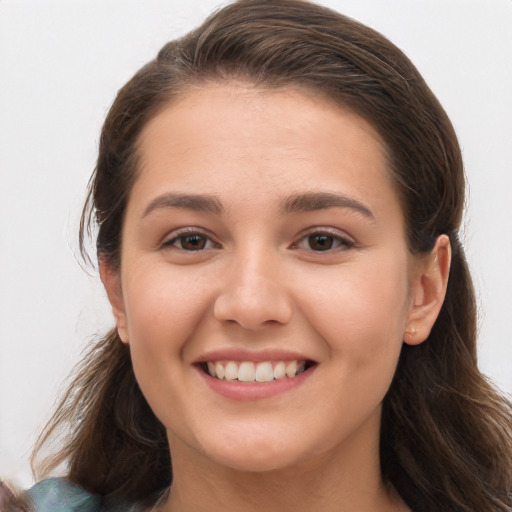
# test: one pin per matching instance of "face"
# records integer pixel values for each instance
(265, 282)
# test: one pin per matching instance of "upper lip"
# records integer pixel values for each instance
(255, 356)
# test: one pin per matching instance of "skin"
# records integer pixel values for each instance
(261, 283)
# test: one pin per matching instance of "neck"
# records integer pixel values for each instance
(348, 480)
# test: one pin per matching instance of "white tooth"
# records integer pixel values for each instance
(246, 372)
(211, 368)
(301, 367)
(219, 371)
(279, 370)
(231, 371)
(264, 372)
(291, 369)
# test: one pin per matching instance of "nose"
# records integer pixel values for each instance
(254, 294)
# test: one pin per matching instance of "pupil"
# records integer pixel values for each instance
(194, 242)
(320, 242)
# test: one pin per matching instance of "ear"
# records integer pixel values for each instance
(428, 291)
(112, 283)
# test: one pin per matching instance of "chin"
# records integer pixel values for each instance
(254, 455)
(256, 463)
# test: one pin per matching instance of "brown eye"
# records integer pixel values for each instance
(324, 241)
(193, 242)
(321, 242)
(190, 242)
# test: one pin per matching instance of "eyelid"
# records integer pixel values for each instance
(346, 240)
(174, 235)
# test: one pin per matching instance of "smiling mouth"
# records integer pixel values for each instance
(247, 371)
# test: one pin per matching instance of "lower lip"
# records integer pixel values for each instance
(254, 390)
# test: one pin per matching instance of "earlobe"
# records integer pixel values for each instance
(112, 283)
(428, 291)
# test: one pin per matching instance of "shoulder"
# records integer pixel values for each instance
(57, 495)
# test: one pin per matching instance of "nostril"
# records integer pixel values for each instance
(253, 311)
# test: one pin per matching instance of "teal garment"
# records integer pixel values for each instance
(57, 495)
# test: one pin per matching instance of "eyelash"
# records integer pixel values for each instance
(182, 235)
(332, 241)
(337, 241)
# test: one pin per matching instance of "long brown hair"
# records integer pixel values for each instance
(446, 436)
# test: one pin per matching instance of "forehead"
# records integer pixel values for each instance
(246, 143)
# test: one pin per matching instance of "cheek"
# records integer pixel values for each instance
(163, 307)
(362, 311)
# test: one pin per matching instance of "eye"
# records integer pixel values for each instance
(190, 241)
(322, 241)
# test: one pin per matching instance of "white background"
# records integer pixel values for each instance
(61, 63)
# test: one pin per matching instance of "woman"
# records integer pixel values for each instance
(278, 197)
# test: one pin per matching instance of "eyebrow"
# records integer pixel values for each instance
(311, 201)
(297, 203)
(198, 203)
